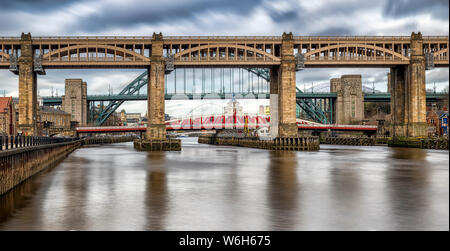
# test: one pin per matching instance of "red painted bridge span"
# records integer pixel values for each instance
(224, 122)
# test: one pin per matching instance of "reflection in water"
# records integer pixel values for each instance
(408, 153)
(409, 189)
(156, 191)
(17, 199)
(282, 189)
(346, 192)
(22, 196)
(205, 187)
(76, 189)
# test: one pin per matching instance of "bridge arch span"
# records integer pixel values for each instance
(355, 47)
(441, 54)
(4, 56)
(97, 49)
(235, 47)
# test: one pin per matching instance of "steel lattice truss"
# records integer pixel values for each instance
(315, 112)
(130, 89)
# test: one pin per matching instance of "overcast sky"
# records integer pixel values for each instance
(217, 17)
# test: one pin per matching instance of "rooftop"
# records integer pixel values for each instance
(48, 109)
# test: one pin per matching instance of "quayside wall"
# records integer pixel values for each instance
(19, 164)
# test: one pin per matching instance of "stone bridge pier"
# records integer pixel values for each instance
(283, 91)
(27, 87)
(156, 128)
(408, 94)
(155, 138)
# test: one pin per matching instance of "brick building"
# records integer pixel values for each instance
(437, 121)
(7, 116)
(54, 121)
(130, 118)
(56, 117)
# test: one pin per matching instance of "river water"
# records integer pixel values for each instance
(204, 187)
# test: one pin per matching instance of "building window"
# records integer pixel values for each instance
(353, 106)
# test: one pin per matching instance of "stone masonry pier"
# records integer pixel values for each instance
(157, 145)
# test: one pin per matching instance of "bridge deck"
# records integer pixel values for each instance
(368, 97)
(224, 51)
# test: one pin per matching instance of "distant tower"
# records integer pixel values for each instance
(75, 100)
(349, 104)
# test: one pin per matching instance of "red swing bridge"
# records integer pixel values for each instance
(221, 122)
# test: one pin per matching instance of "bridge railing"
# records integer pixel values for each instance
(223, 58)
(93, 58)
(275, 38)
(441, 58)
(366, 38)
(354, 58)
(13, 142)
(222, 37)
(88, 37)
(428, 94)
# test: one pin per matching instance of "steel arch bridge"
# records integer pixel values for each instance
(311, 109)
(213, 52)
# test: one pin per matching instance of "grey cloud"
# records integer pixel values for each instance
(438, 75)
(313, 75)
(144, 12)
(334, 31)
(291, 15)
(34, 5)
(400, 8)
(301, 20)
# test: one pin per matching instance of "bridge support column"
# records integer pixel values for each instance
(155, 138)
(408, 94)
(274, 118)
(156, 128)
(287, 93)
(27, 88)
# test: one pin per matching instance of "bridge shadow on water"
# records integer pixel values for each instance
(283, 190)
(156, 195)
(409, 190)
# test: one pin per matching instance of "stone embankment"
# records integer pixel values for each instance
(37, 153)
(360, 141)
(429, 143)
(281, 143)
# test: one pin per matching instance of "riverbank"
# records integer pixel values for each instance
(19, 164)
(424, 143)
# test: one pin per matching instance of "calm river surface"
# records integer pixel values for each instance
(203, 187)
